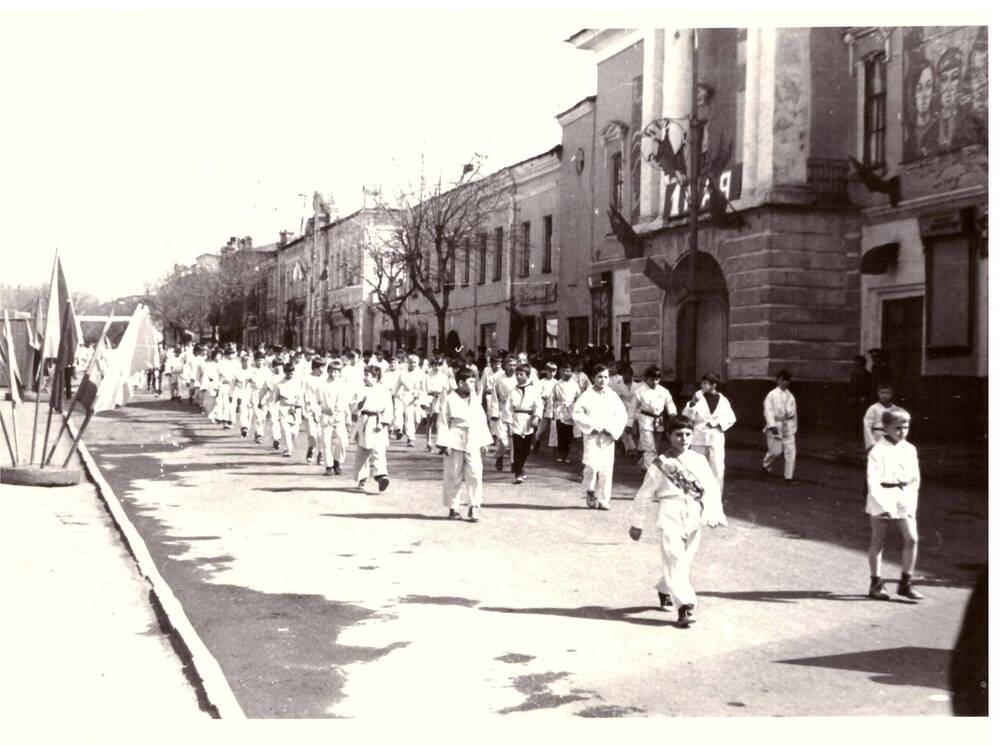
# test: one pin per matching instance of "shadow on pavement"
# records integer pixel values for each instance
(388, 516)
(902, 666)
(592, 613)
(782, 596)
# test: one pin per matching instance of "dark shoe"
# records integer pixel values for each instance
(665, 601)
(428, 448)
(591, 500)
(361, 483)
(277, 446)
(876, 591)
(309, 455)
(453, 514)
(764, 471)
(328, 471)
(474, 514)
(399, 435)
(409, 444)
(336, 467)
(519, 479)
(906, 590)
(441, 450)
(243, 432)
(256, 438)
(790, 482)
(685, 616)
(499, 463)
(383, 482)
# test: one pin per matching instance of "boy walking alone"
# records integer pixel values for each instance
(781, 417)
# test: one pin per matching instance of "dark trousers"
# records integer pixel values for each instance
(521, 446)
(564, 438)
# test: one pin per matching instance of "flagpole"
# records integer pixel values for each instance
(6, 436)
(694, 171)
(76, 394)
(57, 379)
(53, 287)
(79, 436)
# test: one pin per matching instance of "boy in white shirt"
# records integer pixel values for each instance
(335, 414)
(712, 415)
(564, 395)
(311, 409)
(289, 406)
(502, 387)
(893, 489)
(409, 390)
(464, 434)
(600, 415)
(259, 394)
(683, 483)
(241, 392)
(546, 428)
(524, 409)
(872, 423)
(781, 425)
(436, 384)
(374, 410)
(653, 404)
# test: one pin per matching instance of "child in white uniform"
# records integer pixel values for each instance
(689, 497)
(893, 489)
(601, 417)
(712, 415)
(374, 410)
(464, 433)
(781, 424)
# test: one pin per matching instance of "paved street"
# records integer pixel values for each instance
(319, 600)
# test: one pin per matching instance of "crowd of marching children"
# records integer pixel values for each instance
(465, 404)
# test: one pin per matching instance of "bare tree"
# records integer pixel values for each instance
(385, 273)
(431, 224)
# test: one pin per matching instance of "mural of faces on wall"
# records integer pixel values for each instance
(946, 82)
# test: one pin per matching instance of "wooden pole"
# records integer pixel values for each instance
(38, 402)
(57, 380)
(76, 393)
(79, 436)
(6, 436)
(13, 425)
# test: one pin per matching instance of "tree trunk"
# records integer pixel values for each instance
(397, 332)
(441, 318)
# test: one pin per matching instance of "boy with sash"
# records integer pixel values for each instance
(374, 410)
(464, 433)
(600, 415)
(781, 419)
(683, 483)
(502, 387)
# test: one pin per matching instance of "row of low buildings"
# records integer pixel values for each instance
(824, 266)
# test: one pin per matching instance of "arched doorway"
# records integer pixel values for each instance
(691, 356)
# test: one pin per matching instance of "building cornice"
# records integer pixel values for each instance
(605, 43)
(577, 111)
(920, 205)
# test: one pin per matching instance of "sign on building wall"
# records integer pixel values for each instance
(544, 292)
(945, 98)
(676, 197)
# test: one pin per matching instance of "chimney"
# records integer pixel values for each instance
(283, 237)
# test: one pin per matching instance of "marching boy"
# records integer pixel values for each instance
(893, 488)
(288, 394)
(242, 391)
(653, 404)
(374, 410)
(524, 409)
(600, 415)
(311, 387)
(781, 425)
(689, 497)
(873, 417)
(464, 433)
(335, 413)
(564, 395)
(712, 415)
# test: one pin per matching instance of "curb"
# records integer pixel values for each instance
(206, 668)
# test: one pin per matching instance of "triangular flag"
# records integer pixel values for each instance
(36, 329)
(9, 359)
(59, 298)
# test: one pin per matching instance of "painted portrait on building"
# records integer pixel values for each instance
(945, 103)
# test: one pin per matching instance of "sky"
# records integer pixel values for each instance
(136, 139)
(133, 141)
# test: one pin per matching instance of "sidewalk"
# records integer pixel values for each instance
(950, 464)
(81, 640)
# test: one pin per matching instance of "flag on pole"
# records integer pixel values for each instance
(137, 351)
(59, 297)
(9, 360)
(91, 383)
(36, 329)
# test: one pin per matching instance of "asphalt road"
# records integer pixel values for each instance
(319, 600)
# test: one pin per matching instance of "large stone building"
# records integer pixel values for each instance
(785, 289)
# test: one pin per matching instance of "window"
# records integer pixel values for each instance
(468, 263)
(617, 182)
(482, 259)
(551, 332)
(525, 264)
(488, 336)
(547, 244)
(875, 125)
(498, 254)
(579, 332)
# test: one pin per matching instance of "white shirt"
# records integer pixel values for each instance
(779, 411)
(657, 485)
(872, 423)
(893, 463)
(522, 405)
(462, 424)
(707, 423)
(652, 401)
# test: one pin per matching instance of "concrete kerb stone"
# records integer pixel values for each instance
(211, 678)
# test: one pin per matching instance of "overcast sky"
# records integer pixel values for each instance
(132, 141)
(135, 140)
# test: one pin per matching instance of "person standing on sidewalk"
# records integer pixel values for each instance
(524, 409)
(464, 433)
(781, 424)
(374, 410)
(893, 489)
(712, 415)
(601, 417)
(689, 497)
